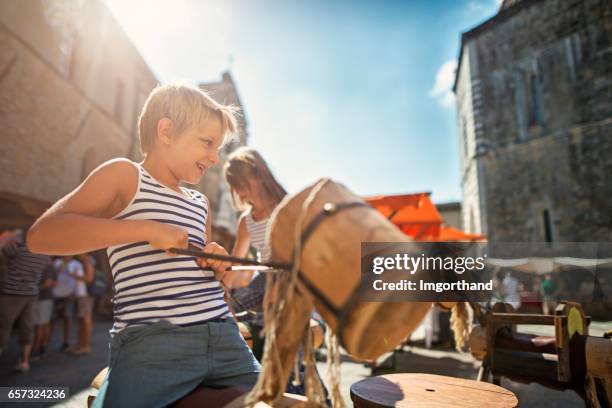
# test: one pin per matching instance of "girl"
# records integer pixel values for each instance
(257, 193)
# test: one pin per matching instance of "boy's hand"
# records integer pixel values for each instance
(218, 266)
(164, 236)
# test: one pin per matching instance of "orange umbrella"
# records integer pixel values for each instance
(417, 216)
(453, 234)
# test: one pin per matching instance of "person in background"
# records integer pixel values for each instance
(548, 289)
(43, 313)
(509, 289)
(63, 292)
(19, 293)
(256, 192)
(84, 304)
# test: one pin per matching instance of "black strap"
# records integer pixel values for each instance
(340, 313)
(329, 209)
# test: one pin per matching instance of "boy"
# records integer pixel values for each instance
(172, 329)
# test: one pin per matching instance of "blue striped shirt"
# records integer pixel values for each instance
(24, 270)
(148, 284)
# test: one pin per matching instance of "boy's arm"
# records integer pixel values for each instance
(213, 248)
(80, 222)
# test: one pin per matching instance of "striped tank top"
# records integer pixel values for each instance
(257, 232)
(148, 284)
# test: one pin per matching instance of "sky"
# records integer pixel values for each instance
(358, 91)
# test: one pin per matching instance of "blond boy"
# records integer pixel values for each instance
(172, 330)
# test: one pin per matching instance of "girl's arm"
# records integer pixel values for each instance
(241, 249)
(80, 222)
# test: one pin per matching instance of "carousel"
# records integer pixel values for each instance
(315, 238)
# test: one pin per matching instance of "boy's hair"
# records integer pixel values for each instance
(186, 107)
(244, 163)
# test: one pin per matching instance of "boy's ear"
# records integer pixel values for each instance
(164, 130)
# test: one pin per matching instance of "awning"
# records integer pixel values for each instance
(417, 216)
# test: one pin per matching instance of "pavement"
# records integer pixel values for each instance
(58, 369)
(62, 369)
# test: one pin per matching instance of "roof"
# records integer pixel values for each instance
(225, 93)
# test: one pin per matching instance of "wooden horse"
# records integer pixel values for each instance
(322, 229)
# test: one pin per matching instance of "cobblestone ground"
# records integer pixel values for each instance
(61, 369)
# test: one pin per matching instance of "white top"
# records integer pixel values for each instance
(257, 232)
(65, 284)
(509, 291)
(81, 286)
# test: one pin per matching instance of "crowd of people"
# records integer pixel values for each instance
(532, 291)
(38, 293)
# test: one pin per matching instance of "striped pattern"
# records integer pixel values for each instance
(24, 270)
(257, 232)
(252, 295)
(148, 284)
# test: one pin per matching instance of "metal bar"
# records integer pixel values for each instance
(232, 259)
(258, 268)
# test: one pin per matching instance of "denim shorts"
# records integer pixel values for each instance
(158, 364)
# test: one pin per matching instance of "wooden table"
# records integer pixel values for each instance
(428, 390)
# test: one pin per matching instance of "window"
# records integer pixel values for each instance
(535, 113)
(464, 137)
(547, 226)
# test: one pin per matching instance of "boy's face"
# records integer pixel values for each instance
(193, 152)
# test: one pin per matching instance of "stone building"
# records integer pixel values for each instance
(71, 87)
(213, 184)
(534, 99)
(450, 213)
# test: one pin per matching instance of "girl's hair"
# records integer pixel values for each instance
(244, 163)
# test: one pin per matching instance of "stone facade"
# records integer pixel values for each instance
(213, 184)
(71, 86)
(534, 97)
(450, 213)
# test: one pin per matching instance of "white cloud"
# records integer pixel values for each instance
(482, 8)
(475, 7)
(442, 89)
